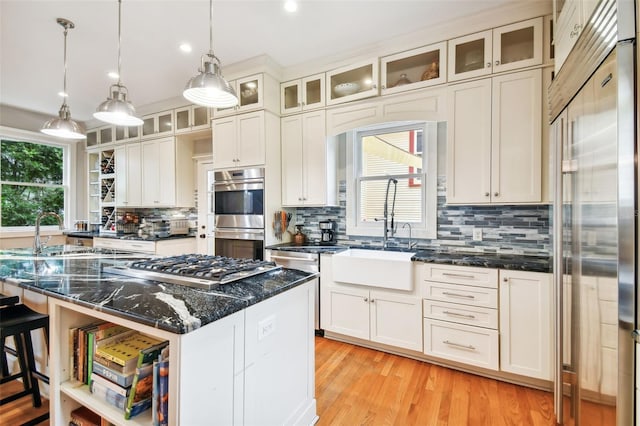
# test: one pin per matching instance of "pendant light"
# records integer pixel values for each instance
(117, 109)
(63, 126)
(209, 88)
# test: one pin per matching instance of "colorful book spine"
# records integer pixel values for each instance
(108, 395)
(82, 416)
(140, 397)
(109, 384)
(124, 380)
(125, 350)
(161, 384)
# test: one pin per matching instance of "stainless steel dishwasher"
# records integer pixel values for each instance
(307, 262)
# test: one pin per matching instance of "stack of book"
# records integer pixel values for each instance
(120, 369)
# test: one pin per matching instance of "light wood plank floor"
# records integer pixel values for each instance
(359, 386)
(21, 410)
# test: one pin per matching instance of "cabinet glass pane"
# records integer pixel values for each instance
(314, 93)
(516, 45)
(412, 69)
(148, 127)
(182, 119)
(291, 96)
(200, 116)
(106, 135)
(164, 123)
(120, 133)
(133, 132)
(249, 93)
(353, 81)
(470, 56)
(92, 138)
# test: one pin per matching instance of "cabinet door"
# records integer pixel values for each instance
(128, 175)
(470, 56)
(347, 312)
(414, 69)
(120, 155)
(290, 97)
(314, 149)
(396, 320)
(516, 138)
(250, 92)
(292, 164)
(224, 142)
(166, 172)
(517, 45)
(150, 182)
(357, 81)
(525, 323)
(313, 92)
(250, 139)
(183, 119)
(469, 143)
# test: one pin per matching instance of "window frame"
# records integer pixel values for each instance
(427, 229)
(69, 174)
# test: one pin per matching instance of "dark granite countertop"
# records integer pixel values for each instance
(487, 260)
(175, 308)
(308, 248)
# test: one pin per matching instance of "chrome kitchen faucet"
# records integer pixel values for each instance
(385, 219)
(37, 244)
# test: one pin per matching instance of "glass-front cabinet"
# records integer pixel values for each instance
(413, 69)
(501, 49)
(192, 117)
(122, 134)
(158, 124)
(357, 81)
(250, 92)
(302, 94)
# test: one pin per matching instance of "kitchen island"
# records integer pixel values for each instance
(240, 353)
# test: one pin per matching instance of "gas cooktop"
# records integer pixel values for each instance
(194, 270)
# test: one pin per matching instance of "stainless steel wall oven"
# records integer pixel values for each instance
(239, 213)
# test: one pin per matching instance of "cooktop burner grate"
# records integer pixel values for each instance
(195, 270)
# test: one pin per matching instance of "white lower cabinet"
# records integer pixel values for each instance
(168, 247)
(382, 316)
(526, 323)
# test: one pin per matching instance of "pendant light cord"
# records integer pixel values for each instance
(64, 84)
(211, 28)
(119, 41)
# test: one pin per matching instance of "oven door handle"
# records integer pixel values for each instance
(239, 233)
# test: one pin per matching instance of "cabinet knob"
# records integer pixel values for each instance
(486, 194)
(366, 299)
(505, 279)
(495, 194)
(488, 64)
(203, 236)
(497, 62)
(373, 300)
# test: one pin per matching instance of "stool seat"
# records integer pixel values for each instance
(17, 321)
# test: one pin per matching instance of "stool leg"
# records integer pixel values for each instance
(3, 359)
(22, 361)
(31, 362)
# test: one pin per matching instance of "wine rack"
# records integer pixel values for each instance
(108, 190)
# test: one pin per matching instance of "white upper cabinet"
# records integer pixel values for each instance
(501, 49)
(255, 92)
(239, 141)
(414, 69)
(308, 161)
(192, 117)
(302, 94)
(353, 82)
(157, 125)
(494, 140)
(128, 175)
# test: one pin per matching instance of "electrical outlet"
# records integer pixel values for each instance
(477, 234)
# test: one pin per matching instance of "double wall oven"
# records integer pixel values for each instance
(239, 213)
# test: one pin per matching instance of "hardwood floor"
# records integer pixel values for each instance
(21, 410)
(359, 386)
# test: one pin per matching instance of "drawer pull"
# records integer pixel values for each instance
(455, 314)
(459, 345)
(466, 296)
(450, 274)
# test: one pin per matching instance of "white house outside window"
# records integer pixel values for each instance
(405, 152)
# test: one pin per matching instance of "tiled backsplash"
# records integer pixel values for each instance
(507, 229)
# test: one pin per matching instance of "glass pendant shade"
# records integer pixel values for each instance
(117, 110)
(209, 88)
(63, 126)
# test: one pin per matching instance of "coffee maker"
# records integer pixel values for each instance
(327, 230)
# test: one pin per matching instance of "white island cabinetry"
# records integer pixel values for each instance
(254, 366)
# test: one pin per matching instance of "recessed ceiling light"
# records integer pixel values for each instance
(113, 75)
(185, 47)
(290, 6)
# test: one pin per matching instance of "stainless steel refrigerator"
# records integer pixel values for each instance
(593, 103)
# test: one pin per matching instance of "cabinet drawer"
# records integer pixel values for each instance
(125, 245)
(483, 277)
(461, 314)
(463, 294)
(462, 343)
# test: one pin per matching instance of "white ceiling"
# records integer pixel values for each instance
(154, 69)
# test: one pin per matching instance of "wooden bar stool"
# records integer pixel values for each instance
(18, 321)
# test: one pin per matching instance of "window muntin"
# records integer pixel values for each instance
(31, 180)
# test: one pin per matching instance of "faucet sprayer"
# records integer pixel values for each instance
(385, 219)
